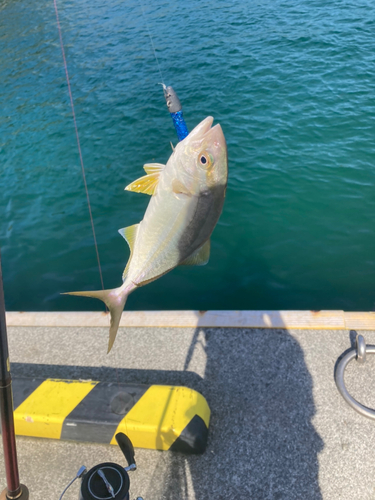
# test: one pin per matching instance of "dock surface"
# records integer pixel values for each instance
(279, 428)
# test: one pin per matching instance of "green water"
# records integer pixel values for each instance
(292, 84)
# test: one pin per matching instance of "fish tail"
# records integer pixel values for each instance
(115, 300)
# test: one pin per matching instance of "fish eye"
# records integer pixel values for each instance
(205, 159)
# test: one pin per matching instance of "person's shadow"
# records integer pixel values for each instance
(262, 443)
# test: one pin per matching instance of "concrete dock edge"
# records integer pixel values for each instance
(336, 320)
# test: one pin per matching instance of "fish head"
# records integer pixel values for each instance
(202, 157)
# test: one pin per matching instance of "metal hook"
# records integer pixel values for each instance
(359, 352)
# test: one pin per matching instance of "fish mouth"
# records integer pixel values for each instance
(201, 129)
(215, 135)
(203, 133)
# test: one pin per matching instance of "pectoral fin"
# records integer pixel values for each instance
(146, 184)
(200, 257)
(130, 235)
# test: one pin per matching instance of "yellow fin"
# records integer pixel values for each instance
(179, 188)
(130, 235)
(151, 168)
(146, 184)
(200, 257)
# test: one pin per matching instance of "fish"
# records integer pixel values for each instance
(187, 198)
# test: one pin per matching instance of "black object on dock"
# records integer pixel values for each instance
(14, 488)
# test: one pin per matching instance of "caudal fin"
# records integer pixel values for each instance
(115, 301)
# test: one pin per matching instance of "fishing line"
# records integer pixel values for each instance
(78, 143)
(82, 167)
(151, 40)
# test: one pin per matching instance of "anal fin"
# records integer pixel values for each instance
(200, 257)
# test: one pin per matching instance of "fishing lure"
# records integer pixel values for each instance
(175, 110)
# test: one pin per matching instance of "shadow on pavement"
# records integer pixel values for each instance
(262, 443)
(107, 374)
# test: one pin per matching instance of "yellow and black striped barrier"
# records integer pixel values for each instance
(158, 417)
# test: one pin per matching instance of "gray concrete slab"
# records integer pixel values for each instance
(279, 428)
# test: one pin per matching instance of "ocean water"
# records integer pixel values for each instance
(292, 84)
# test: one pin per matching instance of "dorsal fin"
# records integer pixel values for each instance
(151, 168)
(200, 257)
(130, 235)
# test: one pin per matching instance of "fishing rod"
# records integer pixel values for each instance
(14, 489)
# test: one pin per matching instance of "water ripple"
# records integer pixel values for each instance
(291, 84)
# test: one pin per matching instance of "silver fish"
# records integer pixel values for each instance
(187, 197)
